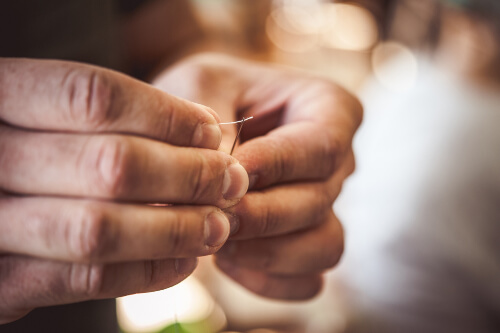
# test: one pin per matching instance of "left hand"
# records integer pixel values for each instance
(297, 152)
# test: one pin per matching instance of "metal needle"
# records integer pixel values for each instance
(241, 122)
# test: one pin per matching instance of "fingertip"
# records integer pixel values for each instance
(235, 182)
(214, 114)
(216, 229)
(211, 112)
(207, 133)
(207, 136)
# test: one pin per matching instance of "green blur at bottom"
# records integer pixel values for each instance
(186, 328)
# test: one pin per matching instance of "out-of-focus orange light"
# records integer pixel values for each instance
(293, 29)
(302, 28)
(348, 27)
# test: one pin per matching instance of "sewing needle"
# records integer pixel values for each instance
(240, 122)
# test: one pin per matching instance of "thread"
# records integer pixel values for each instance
(241, 122)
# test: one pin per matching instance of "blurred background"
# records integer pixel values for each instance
(384, 51)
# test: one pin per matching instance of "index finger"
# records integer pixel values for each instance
(65, 96)
(318, 125)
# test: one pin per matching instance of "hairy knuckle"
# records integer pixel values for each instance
(89, 94)
(112, 162)
(269, 221)
(175, 237)
(201, 179)
(9, 291)
(152, 275)
(94, 237)
(86, 280)
(281, 166)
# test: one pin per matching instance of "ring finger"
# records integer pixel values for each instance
(97, 232)
(305, 252)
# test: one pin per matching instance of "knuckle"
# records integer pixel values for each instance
(282, 152)
(199, 73)
(94, 237)
(331, 193)
(343, 97)
(268, 263)
(175, 239)
(192, 73)
(10, 307)
(269, 222)
(110, 166)
(86, 280)
(89, 93)
(330, 153)
(152, 275)
(333, 251)
(326, 198)
(201, 179)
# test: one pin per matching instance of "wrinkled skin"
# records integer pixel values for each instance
(297, 152)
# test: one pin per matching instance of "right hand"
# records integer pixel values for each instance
(82, 150)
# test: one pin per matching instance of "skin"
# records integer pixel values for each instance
(83, 150)
(297, 152)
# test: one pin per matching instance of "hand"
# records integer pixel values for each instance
(82, 149)
(297, 152)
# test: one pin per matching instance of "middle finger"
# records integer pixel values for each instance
(117, 167)
(310, 251)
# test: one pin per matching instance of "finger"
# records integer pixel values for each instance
(117, 167)
(282, 209)
(273, 286)
(66, 96)
(194, 81)
(27, 283)
(317, 121)
(95, 232)
(306, 252)
(296, 152)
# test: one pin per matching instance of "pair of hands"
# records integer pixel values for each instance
(84, 149)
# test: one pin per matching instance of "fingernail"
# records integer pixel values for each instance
(207, 136)
(216, 229)
(235, 183)
(252, 179)
(234, 223)
(185, 266)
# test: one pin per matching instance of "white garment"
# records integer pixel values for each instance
(422, 211)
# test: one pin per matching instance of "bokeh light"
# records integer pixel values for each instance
(293, 29)
(395, 66)
(187, 302)
(302, 28)
(348, 27)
